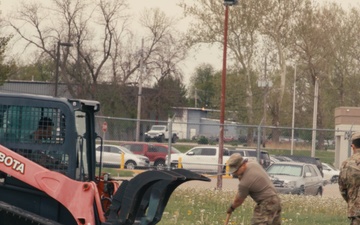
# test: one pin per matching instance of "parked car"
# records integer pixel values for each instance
(111, 156)
(307, 159)
(331, 175)
(252, 155)
(296, 178)
(279, 158)
(156, 152)
(160, 133)
(201, 158)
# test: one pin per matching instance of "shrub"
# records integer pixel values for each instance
(203, 140)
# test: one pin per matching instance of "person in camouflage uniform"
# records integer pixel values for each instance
(349, 181)
(255, 182)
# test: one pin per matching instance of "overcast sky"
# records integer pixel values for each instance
(212, 56)
(196, 58)
(206, 55)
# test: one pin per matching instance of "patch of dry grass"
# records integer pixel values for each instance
(194, 206)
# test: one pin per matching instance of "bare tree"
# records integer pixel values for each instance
(72, 22)
(159, 58)
(243, 37)
(162, 52)
(277, 27)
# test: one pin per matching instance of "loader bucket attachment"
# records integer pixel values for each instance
(157, 196)
(143, 199)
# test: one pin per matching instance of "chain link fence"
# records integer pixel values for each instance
(207, 132)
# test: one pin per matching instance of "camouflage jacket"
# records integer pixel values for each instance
(349, 184)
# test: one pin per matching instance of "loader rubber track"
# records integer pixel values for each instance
(12, 215)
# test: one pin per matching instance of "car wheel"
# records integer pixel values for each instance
(174, 166)
(159, 165)
(161, 139)
(334, 179)
(302, 190)
(319, 191)
(130, 165)
(147, 139)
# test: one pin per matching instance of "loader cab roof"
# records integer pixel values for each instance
(77, 104)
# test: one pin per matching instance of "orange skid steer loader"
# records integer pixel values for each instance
(49, 174)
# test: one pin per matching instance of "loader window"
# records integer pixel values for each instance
(41, 128)
(26, 124)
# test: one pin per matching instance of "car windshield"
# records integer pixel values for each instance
(281, 169)
(327, 167)
(157, 128)
(175, 150)
(125, 150)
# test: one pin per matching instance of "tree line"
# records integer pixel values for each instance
(269, 45)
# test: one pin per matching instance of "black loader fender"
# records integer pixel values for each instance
(143, 199)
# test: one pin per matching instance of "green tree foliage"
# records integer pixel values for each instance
(321, 40)
(41, 70)
(5, 69)
(168, 92)
(203, 87)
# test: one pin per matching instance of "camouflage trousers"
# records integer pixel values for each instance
(268, 212)
(354, 220)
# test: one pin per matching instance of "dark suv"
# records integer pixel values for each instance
(248, 152)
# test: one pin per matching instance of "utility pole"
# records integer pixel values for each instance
(265, 103)
(140, 92)
(316, 95)
(195, 98)
(265, 84)
(293, 114)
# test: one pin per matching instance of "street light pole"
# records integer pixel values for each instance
(57, 64)
(222, 104)
(227, 3)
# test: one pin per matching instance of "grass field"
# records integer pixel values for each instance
(194, 206)
(208, 207)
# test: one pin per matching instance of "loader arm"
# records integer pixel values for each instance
(76, 196)
(142, 200)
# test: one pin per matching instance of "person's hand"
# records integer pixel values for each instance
(230, 209)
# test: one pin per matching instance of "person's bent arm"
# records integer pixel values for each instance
(238, 201)
(343, 190)
(342, 181)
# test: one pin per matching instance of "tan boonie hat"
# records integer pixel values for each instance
(355, 136)
(235, 161)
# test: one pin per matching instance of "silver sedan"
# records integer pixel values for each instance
(296, 178)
